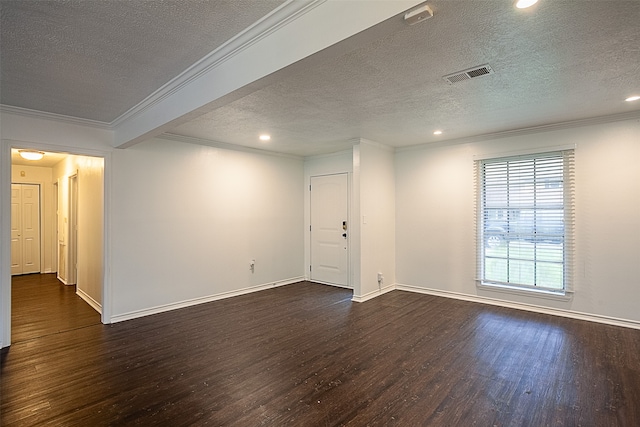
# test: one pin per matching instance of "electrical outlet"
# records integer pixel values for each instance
(380, 277)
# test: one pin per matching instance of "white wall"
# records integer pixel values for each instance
(188, 219)
(46, 134)
(377, 218)
(435, 223)
(182, 221)
(43, 177)
(90, 240)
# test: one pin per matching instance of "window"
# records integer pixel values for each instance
(524, 221)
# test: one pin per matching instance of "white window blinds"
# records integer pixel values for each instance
(525, 221)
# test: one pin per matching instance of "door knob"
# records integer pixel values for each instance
(344, 235)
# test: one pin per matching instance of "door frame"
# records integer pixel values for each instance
(349, 283)
(72, 245)
(5, 227)
(56, 242)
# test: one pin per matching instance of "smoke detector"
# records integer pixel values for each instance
(419, 14)
(481, 70)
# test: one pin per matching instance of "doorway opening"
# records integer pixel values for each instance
(71, 218)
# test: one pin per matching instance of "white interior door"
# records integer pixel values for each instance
(329, 229)
(25, 228)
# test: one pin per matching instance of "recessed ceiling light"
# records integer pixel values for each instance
(523, 4)
(31, 154)
(437, 132)
(265, 137)
(632, 98)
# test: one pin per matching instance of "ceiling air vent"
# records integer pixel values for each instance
(468, 74)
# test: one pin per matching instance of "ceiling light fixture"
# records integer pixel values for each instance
(264, 137)
(437, 132)
(31, 154)
(523, 4)
(632, 98)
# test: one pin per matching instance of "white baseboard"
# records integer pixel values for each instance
(195, 301)
(373, 294)
(627, 323)
(87, 298)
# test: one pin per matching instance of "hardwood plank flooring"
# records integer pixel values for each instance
(42, 305)
(305, 355)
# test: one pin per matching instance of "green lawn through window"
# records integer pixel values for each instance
(533, 264)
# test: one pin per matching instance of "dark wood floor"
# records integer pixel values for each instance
(305, 355)
(42, 305)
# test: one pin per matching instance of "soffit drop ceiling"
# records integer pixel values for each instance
(97, 59)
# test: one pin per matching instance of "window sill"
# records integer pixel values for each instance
(538, 293)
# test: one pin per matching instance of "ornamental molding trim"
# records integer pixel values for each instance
(278, 18)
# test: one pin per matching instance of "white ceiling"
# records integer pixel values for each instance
(560, 61)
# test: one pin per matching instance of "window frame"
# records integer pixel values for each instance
(567, 157)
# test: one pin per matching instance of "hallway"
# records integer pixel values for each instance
(41, 305)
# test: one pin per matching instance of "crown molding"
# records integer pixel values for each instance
(629, 115)
(224, 145)
(376, 144)
(26, 112)
(312, 157)
(270, 23)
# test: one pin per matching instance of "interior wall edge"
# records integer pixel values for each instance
(5, 244)
(373, 294)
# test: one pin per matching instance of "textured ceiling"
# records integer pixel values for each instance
(96, 59)
(560, 61)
